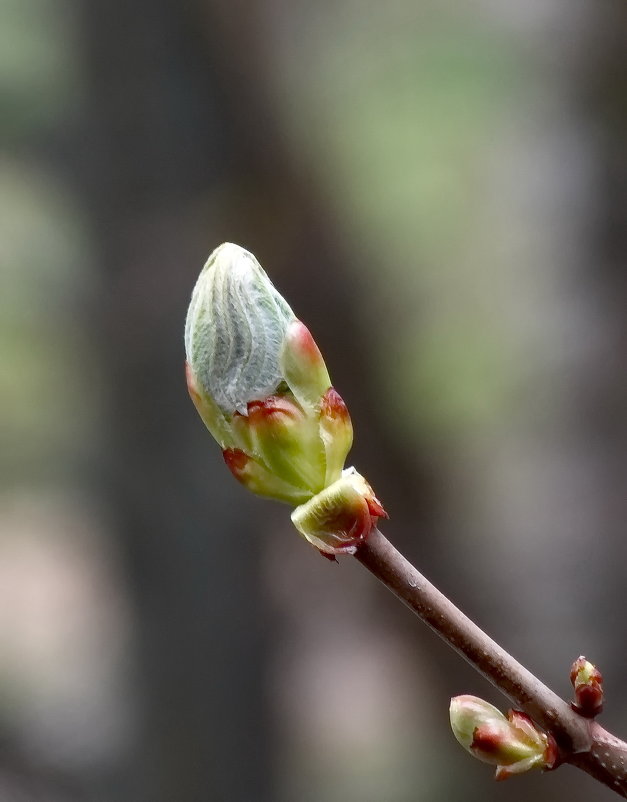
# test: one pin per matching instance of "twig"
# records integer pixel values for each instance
(581, 742)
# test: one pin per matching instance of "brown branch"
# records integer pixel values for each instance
(581, 742)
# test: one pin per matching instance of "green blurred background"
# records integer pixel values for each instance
(440, 190)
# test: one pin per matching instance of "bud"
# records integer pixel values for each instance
(513, 744)
(259, 382)
(587, 681)
(235, 328)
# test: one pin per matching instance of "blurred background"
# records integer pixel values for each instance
(440, 190)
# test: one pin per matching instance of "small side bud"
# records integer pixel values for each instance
(341, 516)
(512, 743)
(587, 681)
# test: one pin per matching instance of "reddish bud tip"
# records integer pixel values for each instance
(236, 461)
(333, 406)
(303, 342)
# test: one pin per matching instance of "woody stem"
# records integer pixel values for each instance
(581, 742)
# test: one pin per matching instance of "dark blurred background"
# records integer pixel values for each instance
(440, 190)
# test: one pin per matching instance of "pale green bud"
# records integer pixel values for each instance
(513, 744)
(235, 330)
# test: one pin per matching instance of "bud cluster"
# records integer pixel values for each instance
(260, 384)
(512, 743)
